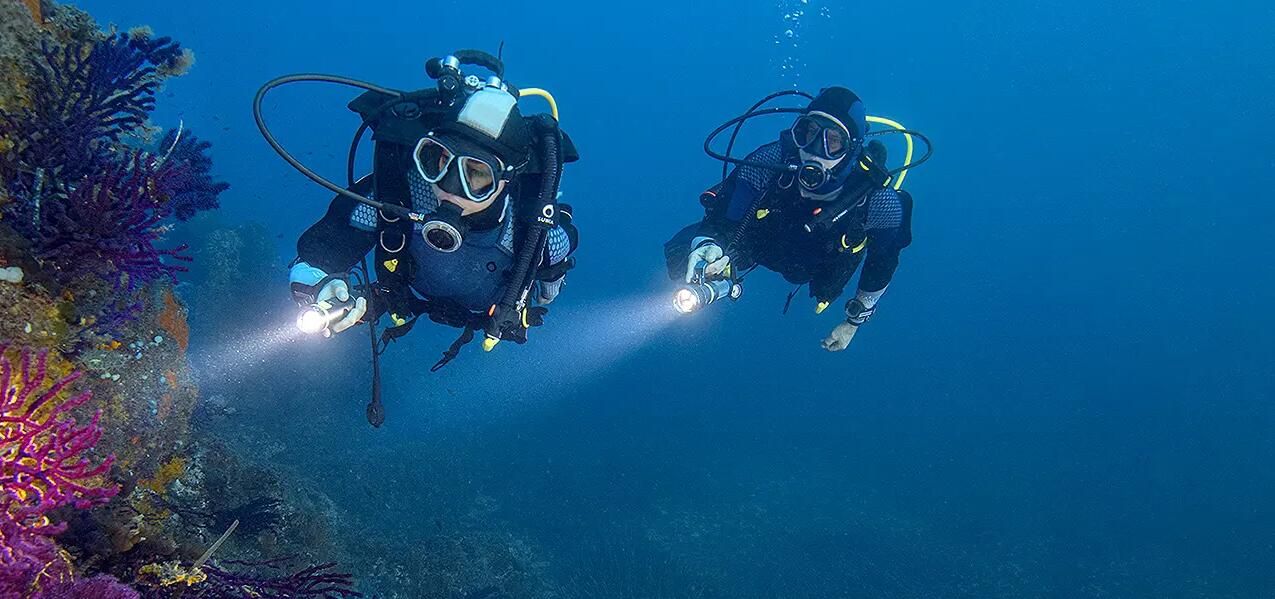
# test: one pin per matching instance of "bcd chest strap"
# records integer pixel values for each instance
(392, 262)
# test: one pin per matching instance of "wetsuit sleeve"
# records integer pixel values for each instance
(731, 201)
(889, 231)
(341, 238)
(829, 281)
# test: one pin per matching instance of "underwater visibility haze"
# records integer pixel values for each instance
(1066, 391)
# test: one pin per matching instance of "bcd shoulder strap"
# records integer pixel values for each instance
(393, 264)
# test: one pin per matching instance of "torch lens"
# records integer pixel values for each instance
(685, 301)
(311, 321)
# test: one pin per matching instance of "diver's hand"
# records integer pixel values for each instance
(547, 291)
(840, 337)
(712, 254)
(338, 291)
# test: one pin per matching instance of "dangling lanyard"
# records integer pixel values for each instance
(791, 295)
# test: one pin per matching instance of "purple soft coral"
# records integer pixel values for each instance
(42, 448)
(26, 559)
(85, 97)
(98, 587)
(194, 190)
(88, 203)
(109, 224)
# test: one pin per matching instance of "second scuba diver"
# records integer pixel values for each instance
(812, 206)
(459, 211)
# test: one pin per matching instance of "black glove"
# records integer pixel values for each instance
(532, 317)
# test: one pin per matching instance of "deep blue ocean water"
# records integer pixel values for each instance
(1066, 392)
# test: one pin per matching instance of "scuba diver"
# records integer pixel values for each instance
(460, 211)
(813, 206)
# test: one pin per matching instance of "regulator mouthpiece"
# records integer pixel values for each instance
(442, 236)
(445, 229)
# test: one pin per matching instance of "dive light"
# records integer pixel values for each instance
(702, 291)
(317, 317)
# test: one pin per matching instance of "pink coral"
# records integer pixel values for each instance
(27, 559)
(98, 587)
(43, 465)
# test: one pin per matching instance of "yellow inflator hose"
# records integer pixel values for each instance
(553, 104)
(898, 183)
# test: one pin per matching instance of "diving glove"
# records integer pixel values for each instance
(531, 317)
(706, 250)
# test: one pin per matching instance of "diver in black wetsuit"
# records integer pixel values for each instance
(814, 225)
(460, 214)
(457, 263)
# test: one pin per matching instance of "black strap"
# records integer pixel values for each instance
(535, 238)
(392, 237)
(791, 295)
(736, 237)
(393, 333)
(375, 411)
(466, 336)
(905, 199)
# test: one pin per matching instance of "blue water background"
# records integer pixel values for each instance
(1066, 391)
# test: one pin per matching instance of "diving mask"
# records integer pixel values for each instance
(824, 137)
(469, 175)
(823, 145)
